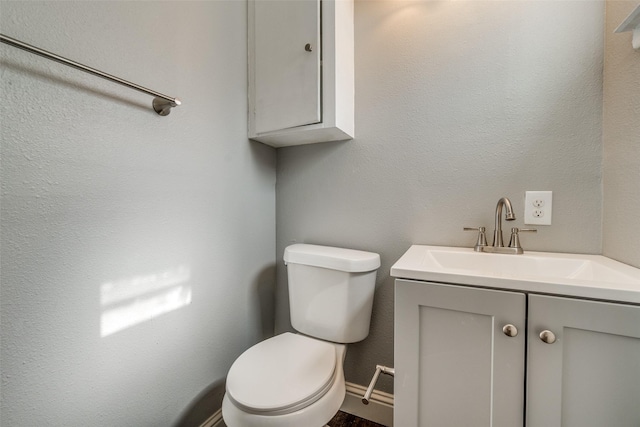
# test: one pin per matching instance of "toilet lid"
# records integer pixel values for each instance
(282, 373)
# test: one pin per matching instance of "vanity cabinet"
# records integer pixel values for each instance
(460, 359)
(301, 71)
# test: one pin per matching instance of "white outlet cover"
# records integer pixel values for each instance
(537, 207)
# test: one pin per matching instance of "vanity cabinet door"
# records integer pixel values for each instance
(454, 365)
(590, 375)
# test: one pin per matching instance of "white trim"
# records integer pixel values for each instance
(214, 420)
(379, 409)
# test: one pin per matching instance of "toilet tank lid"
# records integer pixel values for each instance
(349, 260)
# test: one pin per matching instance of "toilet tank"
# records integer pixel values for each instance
(331, 291)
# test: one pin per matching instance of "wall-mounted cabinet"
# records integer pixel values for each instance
(301, 72)
(460, 359)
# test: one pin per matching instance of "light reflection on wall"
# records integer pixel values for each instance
(128, 302)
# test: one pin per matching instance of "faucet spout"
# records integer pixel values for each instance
(509, 216)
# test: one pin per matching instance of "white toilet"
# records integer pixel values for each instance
(295, 380)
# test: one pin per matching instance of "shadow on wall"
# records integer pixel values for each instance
(210, 400)
(66, 81)
(264, 301)
(203, 406)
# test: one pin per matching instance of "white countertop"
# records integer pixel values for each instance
(575, 275)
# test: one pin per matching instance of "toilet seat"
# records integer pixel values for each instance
(282, 374)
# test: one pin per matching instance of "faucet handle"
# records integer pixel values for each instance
(515, 239)
(482, 237)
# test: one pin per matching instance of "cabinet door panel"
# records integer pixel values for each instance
(454, 366)
(287, 77)
(455, 353)
(590, 376)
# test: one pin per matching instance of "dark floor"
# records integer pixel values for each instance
(342, 419)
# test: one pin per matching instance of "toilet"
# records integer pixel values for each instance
(297, 379)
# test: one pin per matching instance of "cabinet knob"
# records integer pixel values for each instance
(510, 330)
(307, 47)
(548, 337)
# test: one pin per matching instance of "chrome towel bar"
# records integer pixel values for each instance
(162, 104)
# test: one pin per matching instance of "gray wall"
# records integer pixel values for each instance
(621, 231)
(97, 189)
(457, 104)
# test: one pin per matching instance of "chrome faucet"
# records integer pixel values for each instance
(509, 216)
(498, 243)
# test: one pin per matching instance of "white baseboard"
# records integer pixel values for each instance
(380, 407)
(379, 410)
(214, 420)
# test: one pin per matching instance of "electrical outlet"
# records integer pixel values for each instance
(537, 207)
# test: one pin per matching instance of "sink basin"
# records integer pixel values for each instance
(527, 265)
(588, 276)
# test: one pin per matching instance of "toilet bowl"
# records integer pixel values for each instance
(297, 379)
(289, 380)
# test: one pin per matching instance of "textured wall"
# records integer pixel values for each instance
(97, 189)
(457, 104)
(621, 171)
